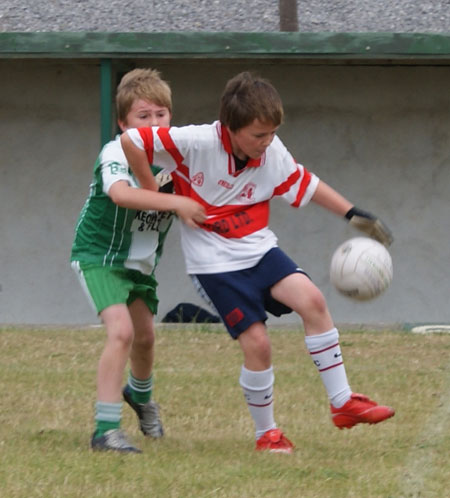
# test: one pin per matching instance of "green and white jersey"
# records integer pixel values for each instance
(109, 235)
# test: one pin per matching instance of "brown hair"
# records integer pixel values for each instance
(248, 97)
(145, 84)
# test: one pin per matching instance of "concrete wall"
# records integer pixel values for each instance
(379, 134)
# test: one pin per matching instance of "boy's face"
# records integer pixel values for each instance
(252, 140)
(143, 114)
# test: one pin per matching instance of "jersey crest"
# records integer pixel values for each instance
(247, 194)
(198, 179)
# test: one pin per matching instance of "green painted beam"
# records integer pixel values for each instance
(105, 100)
(226, 45)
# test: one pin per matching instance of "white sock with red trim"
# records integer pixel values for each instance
(258, 393)
(326, 355)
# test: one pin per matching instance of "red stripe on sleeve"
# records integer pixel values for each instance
(172, 149)
(306, 180)
(286, 185)
(147, 138)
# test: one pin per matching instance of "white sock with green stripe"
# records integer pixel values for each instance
(107, 417)
(141, 390)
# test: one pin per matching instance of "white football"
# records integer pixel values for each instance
(361, 268)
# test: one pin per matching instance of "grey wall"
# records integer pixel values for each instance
(379, 134)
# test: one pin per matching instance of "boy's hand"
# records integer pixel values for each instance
(191, 212)
(370, 224)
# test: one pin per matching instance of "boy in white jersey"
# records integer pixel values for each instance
(233, 168)
(118, 241)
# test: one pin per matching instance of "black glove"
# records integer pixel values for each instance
(370, 224)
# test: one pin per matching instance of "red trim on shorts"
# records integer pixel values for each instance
(234, 317)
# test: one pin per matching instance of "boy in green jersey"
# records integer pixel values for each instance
(118, 241)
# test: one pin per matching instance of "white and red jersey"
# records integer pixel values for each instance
(235, 235)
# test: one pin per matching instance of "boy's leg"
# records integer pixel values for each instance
(108, 291)
(257, 377)
(322, 340)
(299, 293)
(119, 330)
(242, 310)
(138, 391)
(142, 350)
(257, 381)
(255, 345)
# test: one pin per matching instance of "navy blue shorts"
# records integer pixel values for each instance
(242, 297)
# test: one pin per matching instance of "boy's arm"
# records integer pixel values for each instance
(330, 199)
(137, 159)
(190, 211)
(364, 221)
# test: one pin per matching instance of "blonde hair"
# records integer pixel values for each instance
(145, 84)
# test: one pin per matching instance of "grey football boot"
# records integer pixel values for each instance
(148, 415)
(113, 440)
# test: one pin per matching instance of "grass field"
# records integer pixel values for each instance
(47, 379)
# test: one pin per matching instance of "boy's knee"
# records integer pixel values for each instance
(262, 346)
(319, 303)
(125, 337)
(144, 341)
(255, 343)
(316, 304)
(120, 333)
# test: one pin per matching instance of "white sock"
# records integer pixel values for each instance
(326, 355)
(258, 392)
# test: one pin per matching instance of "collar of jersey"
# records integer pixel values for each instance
(226, 142)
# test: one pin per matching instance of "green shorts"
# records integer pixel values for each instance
(105, 286)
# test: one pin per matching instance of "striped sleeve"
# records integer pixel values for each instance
(293, 182)
(136, 138)
(298, 188)
(157, 149)
(306, 187)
